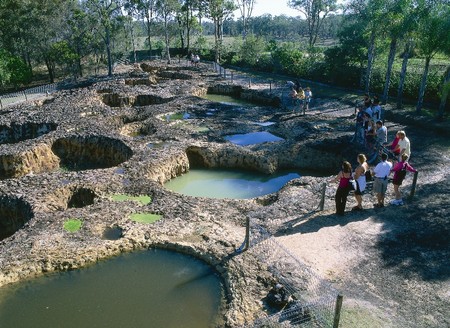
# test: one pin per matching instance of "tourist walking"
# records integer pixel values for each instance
(360, 177)
(400, 170)
(381, 173)
(344, 187)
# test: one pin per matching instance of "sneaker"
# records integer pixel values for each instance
(394, 202)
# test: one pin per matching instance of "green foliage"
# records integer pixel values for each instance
(145, 217)
(251, 50)
(143, 199)
(73, 225)
(13, 70)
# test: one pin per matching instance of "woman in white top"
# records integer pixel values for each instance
(360, 176)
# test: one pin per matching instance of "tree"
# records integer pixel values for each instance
(218, 11)
(399, 21)
(315, 11)
(13, 70)
(434, 26)
(106, 11)
(167, 9)
(246, 9)
(147, 9)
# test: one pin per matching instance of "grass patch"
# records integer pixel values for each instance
(143, 199)
(73, 225)
(176, 116)
(145, 217)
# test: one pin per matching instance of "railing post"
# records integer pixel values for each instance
(413, 188)
(250, 82)
(224, 73)
(337, 311)
(1, 105)
(247, 233)
(26, 99)
(232, 79)
(322, 198)
(270, 86)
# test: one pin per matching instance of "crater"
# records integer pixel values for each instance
(119, 100)
(81, 197)
(14, 213)
(16, 132)
(79, 153)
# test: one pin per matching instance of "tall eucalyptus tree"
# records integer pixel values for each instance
(106, 11)
(167, 10)
(218, 11)
(246, 10)
(315, 11)
(433, 34)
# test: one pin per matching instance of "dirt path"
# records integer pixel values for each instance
(392, 264)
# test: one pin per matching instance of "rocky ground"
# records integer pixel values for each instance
(64, 156)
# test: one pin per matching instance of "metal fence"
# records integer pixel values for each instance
(28, 94)
(278, 86)
(314, 302)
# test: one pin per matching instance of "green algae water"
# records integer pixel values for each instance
(156, 288)
(226, 99)
(228, 183)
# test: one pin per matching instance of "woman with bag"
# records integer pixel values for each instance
(344, 177)
(360, 177)
(400, 170)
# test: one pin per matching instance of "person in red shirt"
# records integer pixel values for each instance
(400, 170)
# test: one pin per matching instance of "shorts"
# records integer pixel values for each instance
(380, 185)
(397, 182)
(358, 191)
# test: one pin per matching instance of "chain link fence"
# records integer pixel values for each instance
(28, 94)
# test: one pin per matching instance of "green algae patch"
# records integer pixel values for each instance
(145, 217)
(73, 225)
(143, 199)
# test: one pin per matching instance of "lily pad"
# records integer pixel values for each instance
(145, 217)
(73, 225)
(143, 199)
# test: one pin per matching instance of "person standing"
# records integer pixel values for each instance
(381, 173)
(381, 132)
(360, 177)
(308, 96)
(404, 144)
(400, 170)
(344, 187)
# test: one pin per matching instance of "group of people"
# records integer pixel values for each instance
(357, 180)
(195, 59)
(300, 97)
(369, 128)
(371, 132)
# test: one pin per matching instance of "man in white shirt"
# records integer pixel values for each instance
(381, 173)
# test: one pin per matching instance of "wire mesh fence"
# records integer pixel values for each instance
(314, 302)
(28, 94)
(277, 86)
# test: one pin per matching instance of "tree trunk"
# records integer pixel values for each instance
(387, 81)
(166, 34)
(401, 84)
(108, 51)
(370, 59)
(51, 73)
(423, 85)
(444, 94)
(148, 18)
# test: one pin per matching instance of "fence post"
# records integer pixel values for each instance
(250, 82)
(224, 73)
(413, 188)
(232, 80)
(1, 105)
(337, 311)
(25, 95)
(245, 245)
(270, 86)
(322, 198)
